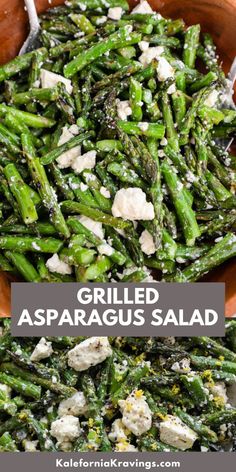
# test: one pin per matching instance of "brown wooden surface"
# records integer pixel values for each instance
(218, 17)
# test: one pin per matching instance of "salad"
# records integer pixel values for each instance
(112, 165)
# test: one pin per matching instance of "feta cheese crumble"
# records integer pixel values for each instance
(147, 243)
(136, 414)
(75, 405)
(65, 429)
(83, 187)
(74, 130)
(66, 446)
(177, 434)
(115, 13)
(85, 161)
(42, 350)
(125, 446)
(101, 19)
(212, 98)
(143, 7)
(219, 392)
(143, 45)
(150, 53)
(171, 89)
(131, 204)
(105, 249)
(163, 142)
(6, 390)
(105, 192)
(164, 69)
(143, 126)
(66, 158)
(118, 431)
(50, 79)
(88, 353)
(123, 109)
(54, 264)
(94, 226)
(30, 446)
(182, 366)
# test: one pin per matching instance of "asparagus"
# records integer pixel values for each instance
(21, 386)
(23, 266)
(184, 211)
(122, 37)
(21, 192)
(222, 251)
(45, 190)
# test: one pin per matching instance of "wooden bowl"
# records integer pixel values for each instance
(218, 17)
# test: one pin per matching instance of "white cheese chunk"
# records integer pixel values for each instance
(118, 431)
(123, 109)
(36, 83)
(163, 142)
(149, 278)
(212, 98)
(105, 192)
(74, 130)
(143, 45)
(42, 350)
(88, 353)
(82, 6)
(204, 449)
(66, 135)
(131, 204)
(226, 97)
(5, 389)
(147, 243)
(66, 446)
(143, 7)
(50, 79)
(54, 264)
(136, 414)
(66, 428)
(86, 161)
(83, 187)
(219, 391)
(30, 446)
(182, 366)
(171, 89)
(66, 158)
(149, 54)
(75, 405)
(115, 13)
(143, 125)
(177, 434)
(164, 69)
(169, 341)
(101, 19)
(105, 249)
(125, 446)
(48, 444)
(94, 226)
